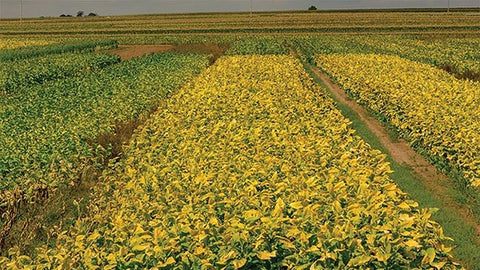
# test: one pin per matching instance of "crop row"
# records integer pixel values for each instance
(258, 45)
(437, 113)
(250, 166)
(20, 73)
(19, 43)
(34, 51)
(48, 133)
(252, 30)
(461, 54)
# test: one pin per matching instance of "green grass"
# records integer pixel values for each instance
(467, 249)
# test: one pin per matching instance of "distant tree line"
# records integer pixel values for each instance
(80, 14)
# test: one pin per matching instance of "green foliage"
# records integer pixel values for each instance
(21, 73)
(250, 166)
(47, 134)
(258, 45)
(34, 51)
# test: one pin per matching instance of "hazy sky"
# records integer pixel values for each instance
(37, 8)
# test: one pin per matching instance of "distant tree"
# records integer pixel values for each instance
(63, 15)
(68, 15)
(91, 14)
(312, 8)
(80, 13)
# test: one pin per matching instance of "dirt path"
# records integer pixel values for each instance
(127, 52)
(400, 151)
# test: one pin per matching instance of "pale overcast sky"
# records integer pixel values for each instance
(37, 8)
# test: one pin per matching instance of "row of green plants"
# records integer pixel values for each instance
(48, 134)
(258, 45)
(57, 48)
(19, 74)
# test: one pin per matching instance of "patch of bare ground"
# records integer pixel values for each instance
(216, 50)
(468, 74)
(400, 151)
(127, 52)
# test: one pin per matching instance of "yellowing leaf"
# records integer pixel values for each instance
(226, 257)
(438, 265)
(140, 247)
(296, 205)
(266, 255)
(237, 264)
(168, 262)
(360, 260)
(199, 251)
(412, 244)
(279, 207)
(429, 256)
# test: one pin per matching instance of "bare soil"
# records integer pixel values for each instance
(127, 52)
(215, 50)
(463, 75)
(401, 152)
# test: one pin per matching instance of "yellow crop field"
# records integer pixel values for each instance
(19, 43)
(250, 166)
(436, 112)
(302, 139)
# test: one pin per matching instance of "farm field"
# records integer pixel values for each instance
(262, 22)
(238, 141)
(436, 112)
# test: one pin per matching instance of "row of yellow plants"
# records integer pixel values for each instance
(250, 166)
(437, 113)
(19, 43)
(461, 53)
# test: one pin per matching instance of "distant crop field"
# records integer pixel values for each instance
(272, 140)
(277, 22)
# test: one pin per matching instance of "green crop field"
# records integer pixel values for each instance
(271, 140)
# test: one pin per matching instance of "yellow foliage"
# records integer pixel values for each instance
(436, 112)
(261, 176)
(19, 43)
